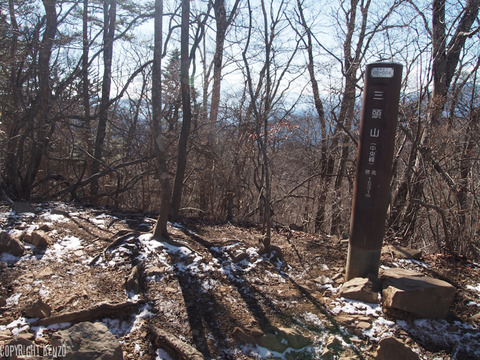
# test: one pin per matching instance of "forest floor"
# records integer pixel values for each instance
(214, 290)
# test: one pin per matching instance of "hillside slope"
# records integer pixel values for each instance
(210, 291)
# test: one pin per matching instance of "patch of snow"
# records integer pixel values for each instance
(176, 225)
(71, 243)
(381, 328)
(462, 339)
(209, 284)
(418, 263)
(53, 218)
(138, 350)
(163, 355)
(314, 319)
(330, 287)
(119, 327)
(13, 299)
(101, 220)
(39, 330)
(8, 258)
(145, 313)
(16, 326)
(474, 288)
(259, 352)
(356, 307)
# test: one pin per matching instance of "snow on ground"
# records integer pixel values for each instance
(462, 338)
(163, 355)
(474, 288)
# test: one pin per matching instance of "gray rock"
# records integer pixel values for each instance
(360, 289)
(10, 245)
(85, 341)
(393, 349)
(23, 207)
(411, 295)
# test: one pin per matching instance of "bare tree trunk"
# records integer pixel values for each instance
(13, 152)
(325, 161)
(160, 231)
(86, 90)
(109, 15)
(345, 117)
(187, 112)
(42, 105)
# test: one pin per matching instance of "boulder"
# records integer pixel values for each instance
(393, 349)
(3, 302)
(38, 238)
(88, 341)
(10, 245)
(401, 252)
(408, 294)
(360, 289)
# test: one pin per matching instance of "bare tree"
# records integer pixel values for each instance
(447, 45)
(160, 230)
(272, 84)
(109, 24)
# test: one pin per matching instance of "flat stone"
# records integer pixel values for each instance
(360, 289)
(398, 273)
(401, 252)
(393, 349)
(416, 296)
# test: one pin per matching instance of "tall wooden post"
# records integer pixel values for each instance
(374, 168)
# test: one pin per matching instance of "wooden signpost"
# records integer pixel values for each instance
(371, 194)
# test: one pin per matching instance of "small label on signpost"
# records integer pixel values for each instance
(374, 167)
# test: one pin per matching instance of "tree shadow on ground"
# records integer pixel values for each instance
(257, 301)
